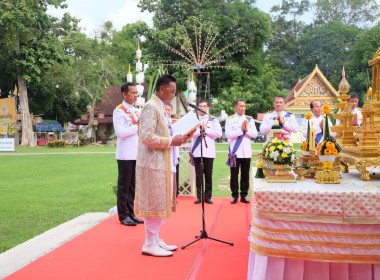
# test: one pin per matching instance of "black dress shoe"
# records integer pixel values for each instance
(209, 201)
(197, 201)
(128, 222)
(234, 200)
(135, 219)
(244, 200)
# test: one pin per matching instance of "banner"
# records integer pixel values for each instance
(48, 126)
(7, 113)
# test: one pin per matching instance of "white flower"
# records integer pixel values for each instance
(274, 155)
(288, 150)
(292, 158)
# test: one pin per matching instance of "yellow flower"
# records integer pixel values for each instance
(272, 148)
(284, 155)
(267, 154)
(293, 150)
(280, 147)
(330, 145)
(326, 109)
(275, 140)
(308, 116)
(286, 143)
(110, 184)
(259, 164)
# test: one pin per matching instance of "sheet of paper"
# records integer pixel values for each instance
(185, 124)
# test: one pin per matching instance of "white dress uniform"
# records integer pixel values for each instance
(356, 111)
(126, 154)
(290, 124)
(243, 155)
(213, 130)
(126, 132)
(317, 129)
(233, 131)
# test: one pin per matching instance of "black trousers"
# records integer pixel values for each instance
(126, 188)
(244, 164)
(177, 177)
(208, 165)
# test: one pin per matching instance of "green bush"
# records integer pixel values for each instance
(57, 144)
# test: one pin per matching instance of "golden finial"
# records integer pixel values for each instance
(138, 45)
(129, 71)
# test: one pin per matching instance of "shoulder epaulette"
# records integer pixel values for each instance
(211, 116)
(248, 117)
(288, 113)
(175, 119)
(119, 106)
(230, 117)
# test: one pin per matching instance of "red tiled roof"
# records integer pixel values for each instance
(107, 104)
(105, 120)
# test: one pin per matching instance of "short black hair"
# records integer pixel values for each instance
(311, 103)
(168, 104)
(354, 95)
(237, 101)
(203, 101)
(125, 87)
(164, 80)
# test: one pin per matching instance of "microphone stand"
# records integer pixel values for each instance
(204, 234)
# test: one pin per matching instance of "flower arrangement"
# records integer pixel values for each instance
(329, 146)
(279, 150)
(305, 145)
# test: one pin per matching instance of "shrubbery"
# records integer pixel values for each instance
(57, 144)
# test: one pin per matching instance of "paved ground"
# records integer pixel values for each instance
(27, 252)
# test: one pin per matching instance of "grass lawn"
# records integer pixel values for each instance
(39, 192)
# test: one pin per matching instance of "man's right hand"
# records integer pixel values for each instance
(178, 140)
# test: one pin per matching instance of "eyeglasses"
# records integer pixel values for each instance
(172, 90)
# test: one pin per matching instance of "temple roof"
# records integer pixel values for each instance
(315, 86)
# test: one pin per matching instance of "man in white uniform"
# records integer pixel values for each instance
(125, 118)
(239, 130)
(317, 122)
(287, 121)
(212, 130)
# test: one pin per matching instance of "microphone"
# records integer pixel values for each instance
(195, 107)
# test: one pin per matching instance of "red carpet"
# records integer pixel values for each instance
(112, 251)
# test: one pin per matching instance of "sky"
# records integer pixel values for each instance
(93, 13)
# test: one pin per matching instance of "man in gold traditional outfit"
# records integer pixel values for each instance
(155, 167)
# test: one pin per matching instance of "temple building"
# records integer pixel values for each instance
(314, 87)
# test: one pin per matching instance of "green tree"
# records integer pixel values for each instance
(95, 68)
(283, 46)
(359, 13)
(233, 20)
(358, 73)
(329, 47)
(29, 48)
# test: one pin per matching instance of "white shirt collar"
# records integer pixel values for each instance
(129, 106)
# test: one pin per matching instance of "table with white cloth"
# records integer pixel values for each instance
(305, 230)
